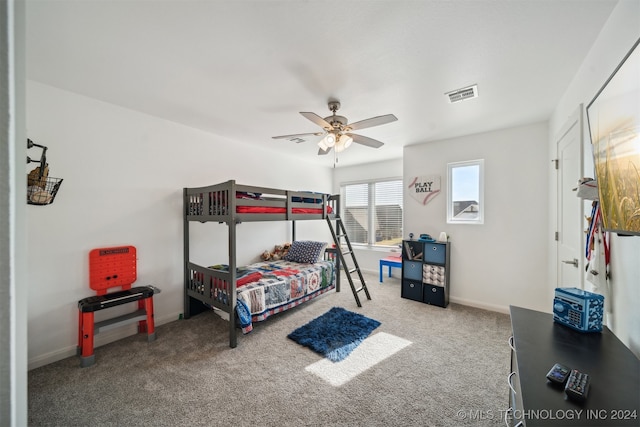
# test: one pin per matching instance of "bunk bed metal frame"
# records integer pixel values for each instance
(218, 203)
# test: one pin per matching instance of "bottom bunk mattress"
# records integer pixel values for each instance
(270, 287)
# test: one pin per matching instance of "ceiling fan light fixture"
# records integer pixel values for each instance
(343, 143)
(330, 140)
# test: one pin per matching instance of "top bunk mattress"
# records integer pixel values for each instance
(216, 201)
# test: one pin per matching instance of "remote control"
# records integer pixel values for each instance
(558, 374)
(577, 386)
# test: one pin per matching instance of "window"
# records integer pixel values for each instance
(372, 212)
(465, 192)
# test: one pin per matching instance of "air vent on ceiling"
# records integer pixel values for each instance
(462, 94)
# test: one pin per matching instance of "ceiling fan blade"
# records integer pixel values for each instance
(373, 121)
(365, 140)
(317, 120)
(299, 137)
(322, 152)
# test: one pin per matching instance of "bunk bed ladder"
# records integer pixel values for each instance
(338, 233)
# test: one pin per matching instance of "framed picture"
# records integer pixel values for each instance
(614, 126)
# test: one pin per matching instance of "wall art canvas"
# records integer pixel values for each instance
(424, 188)
(614, 126)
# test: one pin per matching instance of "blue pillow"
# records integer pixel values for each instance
(243, 312)
(305, 251)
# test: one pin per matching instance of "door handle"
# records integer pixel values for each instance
(574, 262)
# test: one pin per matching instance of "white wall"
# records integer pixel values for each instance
(617, 37)
(503, 261)
(123, 176)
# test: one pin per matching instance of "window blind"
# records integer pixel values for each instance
(373, 212)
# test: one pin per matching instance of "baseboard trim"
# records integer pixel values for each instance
(99, 340)
(461, 301)
(123, 332)
(476, 304)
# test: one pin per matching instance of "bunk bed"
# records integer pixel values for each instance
(230, 287)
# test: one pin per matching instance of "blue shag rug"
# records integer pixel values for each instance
(335, 334)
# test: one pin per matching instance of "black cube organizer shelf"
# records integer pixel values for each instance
(425, 272)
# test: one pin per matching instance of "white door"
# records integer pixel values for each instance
(571, 222)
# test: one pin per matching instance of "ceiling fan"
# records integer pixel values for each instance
(337, 130)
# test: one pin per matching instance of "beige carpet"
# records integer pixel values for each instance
(424, 366)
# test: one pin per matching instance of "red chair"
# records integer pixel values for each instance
(113, 268)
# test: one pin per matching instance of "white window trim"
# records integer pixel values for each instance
(371, 191)
(450, 167)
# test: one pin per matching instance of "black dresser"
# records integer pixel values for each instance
(538, 343)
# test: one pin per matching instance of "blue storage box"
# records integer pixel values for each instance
(412, 270)
(435, 253)
(578, 309)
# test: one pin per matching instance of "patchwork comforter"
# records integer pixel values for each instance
(270, 287)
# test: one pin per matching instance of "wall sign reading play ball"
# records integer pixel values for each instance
(424, 188)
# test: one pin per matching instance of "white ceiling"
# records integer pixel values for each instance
(245, 69)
